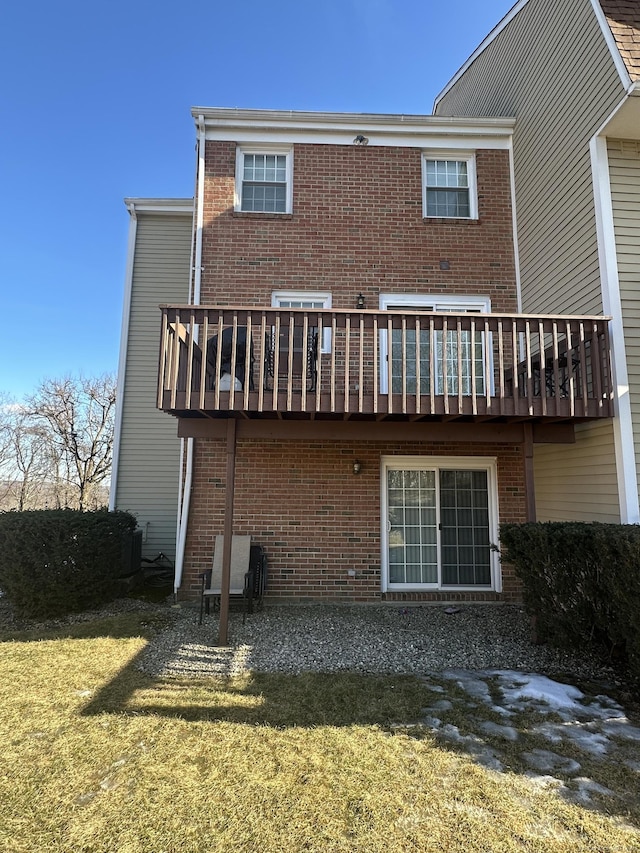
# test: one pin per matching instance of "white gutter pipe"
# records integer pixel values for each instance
(183, 506)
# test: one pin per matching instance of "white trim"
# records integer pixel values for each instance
(427, 302)
(495, 32)
(265, 148)
(457, 300)
(435, 463)
(323, 296)
(434, 138)
(618, 61)
(459, 156)
(235, 124)
(195, 276)
(160, 205)
(122, 358)
(612, 305)
(514, 219)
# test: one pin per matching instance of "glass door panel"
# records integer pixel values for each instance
(412, 526)
(464, 520)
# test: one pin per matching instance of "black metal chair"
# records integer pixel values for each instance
(297, 361)
(243, 371)
(248, 576)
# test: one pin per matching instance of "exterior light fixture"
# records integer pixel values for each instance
(357, 466)
(360, 140)
(360, 301)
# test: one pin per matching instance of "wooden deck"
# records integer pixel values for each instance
(249, 362)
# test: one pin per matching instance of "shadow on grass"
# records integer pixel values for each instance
(263, 699)
(607, 784)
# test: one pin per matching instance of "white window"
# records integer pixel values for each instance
(449, 185)
(471, 359)
(302, 299)
(440, 523)
(263, 180)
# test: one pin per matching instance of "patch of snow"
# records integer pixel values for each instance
(518, 686)
(476, 747)
(547, 762)
(543, 781)
(622, 729)
(584, 789)
(581, 735)
(441, 705)
(496, 730)
(471, 683)
(592, 742)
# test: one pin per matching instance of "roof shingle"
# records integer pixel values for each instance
(623, 17)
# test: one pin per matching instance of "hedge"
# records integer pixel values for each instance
(581, 582)
(54, 562)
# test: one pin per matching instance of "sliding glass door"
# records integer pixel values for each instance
(440, 520)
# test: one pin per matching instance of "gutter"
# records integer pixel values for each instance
(185, 493)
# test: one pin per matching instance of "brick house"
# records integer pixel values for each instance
(351, 377)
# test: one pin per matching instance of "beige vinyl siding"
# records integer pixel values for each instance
(577, 482)
(551, 69)
(624, 172)
(560, 89)
(147, 481)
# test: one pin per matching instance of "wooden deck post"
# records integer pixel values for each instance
(530, 491)
(223, 631)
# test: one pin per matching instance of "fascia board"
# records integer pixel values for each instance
(160, 205)
(608, 36)
(416, 141)
(340, 128)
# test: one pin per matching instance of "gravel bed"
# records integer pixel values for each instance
(386, 639)
(363, 639)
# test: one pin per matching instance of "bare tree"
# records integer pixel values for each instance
(76, 416)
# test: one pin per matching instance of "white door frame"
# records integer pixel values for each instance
(460, 463)
(424, 302)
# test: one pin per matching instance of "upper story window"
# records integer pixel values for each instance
(305, 299)
(263, 180)
(449, 185)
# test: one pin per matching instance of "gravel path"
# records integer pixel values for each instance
(366, 639)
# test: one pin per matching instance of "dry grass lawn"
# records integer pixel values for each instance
(98, 758)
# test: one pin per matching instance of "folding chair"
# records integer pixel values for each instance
(247, 577)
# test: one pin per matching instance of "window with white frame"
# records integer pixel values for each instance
(310, 300)
(263, 180)
(410, 354)
(449, 185)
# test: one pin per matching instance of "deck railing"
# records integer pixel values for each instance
(263, 361)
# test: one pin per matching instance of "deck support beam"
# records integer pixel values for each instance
(223, 631)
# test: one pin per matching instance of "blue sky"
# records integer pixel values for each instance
(94, 106)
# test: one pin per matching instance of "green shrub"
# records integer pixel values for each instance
(581, 582)
(54, 562)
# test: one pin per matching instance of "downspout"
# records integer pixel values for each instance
(183, 505)
(122, 359)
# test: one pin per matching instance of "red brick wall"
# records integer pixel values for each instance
(356, 226)
(316, 519)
